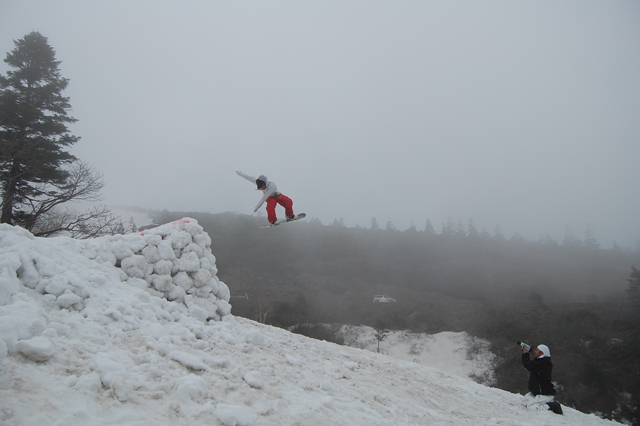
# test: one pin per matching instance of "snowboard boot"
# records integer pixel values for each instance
(290, 218)
(555, 407)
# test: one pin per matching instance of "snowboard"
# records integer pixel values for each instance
(281, 221)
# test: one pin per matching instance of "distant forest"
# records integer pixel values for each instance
(575, 297)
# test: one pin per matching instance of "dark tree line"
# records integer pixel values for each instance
(469, 229)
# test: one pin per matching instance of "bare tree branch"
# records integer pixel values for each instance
(82, 184)
(92, 223)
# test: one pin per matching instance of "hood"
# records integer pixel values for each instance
(545, 351)
(262, 182)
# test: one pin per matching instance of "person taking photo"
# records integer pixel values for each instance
(541, 394)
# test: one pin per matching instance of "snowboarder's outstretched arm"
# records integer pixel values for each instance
(268, 190)
(247, 177)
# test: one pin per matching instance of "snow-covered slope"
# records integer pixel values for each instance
(454, 353)
(103, 332)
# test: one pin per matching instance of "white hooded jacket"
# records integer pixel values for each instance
(269, 189)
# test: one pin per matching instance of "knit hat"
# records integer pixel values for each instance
(545, 350)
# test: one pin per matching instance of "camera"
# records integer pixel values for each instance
(524, 346)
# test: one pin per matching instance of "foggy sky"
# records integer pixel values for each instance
(524, 115)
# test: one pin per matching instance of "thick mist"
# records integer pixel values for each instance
(522, 115)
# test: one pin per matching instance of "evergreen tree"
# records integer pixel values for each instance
(472, 230)
(374, 224)
(484, 233)
(381, 331)
(547, 240)
(633, 291)
(428, 228)
(569, 238)
(33, 127)
(390, 226)
(517, 238)
(412, 228)
(448, 229)
(589, 238)
(338, 223)
(536, 301)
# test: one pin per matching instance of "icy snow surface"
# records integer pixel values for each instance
(136, 330)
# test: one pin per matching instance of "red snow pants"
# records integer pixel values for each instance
(284, 201)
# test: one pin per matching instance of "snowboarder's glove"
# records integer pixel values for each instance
(238, 172)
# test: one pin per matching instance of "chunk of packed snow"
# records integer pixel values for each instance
(189, 262)
(253, 379)
(37, 348)
(190, 361)
(111, 368)
(20, 320)
(89, 382)
(351, 365)
(193, 387)
(292, 359)
(8, 286)
(256, 338)
(68, 299)
(135, 266)
(235, 415)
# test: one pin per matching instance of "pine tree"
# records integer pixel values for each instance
(428, 228)
(633, 291)
(498, 234)
(339, 223)
(569, 238)
(448, 229)
(484, 233)
(590, 238)
(412, 228)
(390, 226)
(33, 127)
(472, 230)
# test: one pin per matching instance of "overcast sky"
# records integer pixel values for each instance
(520, 114)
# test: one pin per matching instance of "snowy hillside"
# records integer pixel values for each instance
(136, 330)
(454, 353)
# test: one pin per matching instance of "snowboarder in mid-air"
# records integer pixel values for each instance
(272, 197)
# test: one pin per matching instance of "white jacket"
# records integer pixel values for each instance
(269, 189)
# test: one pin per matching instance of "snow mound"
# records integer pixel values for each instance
(130, 281)
(173, 261)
